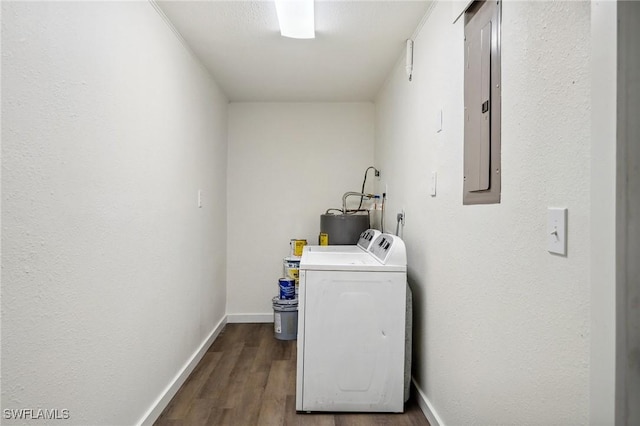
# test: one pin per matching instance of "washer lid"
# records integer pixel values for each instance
(328, 261)
(387, 253)
(334, 249)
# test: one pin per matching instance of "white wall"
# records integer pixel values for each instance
(501, 326)
(112, 277)
(288, 163)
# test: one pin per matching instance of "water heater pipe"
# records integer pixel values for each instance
(348, 194)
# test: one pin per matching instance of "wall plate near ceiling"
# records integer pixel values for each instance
(409, 58)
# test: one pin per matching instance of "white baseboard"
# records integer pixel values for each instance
(165, 397)
(426, 406)
(236, 318)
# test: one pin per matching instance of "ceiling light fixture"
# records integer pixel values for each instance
(296, 18)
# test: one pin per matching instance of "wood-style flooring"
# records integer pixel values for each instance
(247, 377)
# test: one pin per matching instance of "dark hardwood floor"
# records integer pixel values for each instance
(247, 377)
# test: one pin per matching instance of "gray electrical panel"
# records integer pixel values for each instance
(482, 103)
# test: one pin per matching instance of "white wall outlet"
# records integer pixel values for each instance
(400, 220)
(557, 230)
(199, 198)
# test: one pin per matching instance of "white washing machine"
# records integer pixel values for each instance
(351, 329)
(364, 242)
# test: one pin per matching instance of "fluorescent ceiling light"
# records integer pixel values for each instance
(296, 18)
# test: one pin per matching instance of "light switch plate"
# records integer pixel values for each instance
(439, 121)
(557, 230)
(434, 179)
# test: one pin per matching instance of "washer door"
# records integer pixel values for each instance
(354, 341)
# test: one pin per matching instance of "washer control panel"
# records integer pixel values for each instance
(389, 249)
(367, 237)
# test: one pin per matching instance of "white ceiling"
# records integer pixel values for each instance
(357, 43)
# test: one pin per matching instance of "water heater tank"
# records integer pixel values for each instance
(344, 229)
